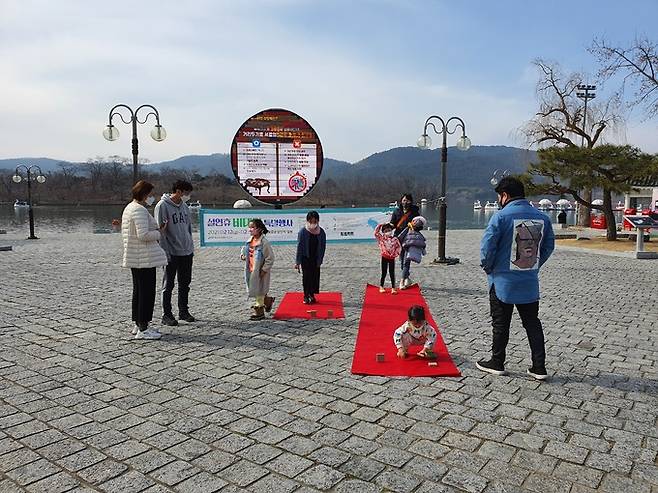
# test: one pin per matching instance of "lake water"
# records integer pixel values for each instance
(91, 218)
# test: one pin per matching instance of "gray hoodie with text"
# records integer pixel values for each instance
(176, 239)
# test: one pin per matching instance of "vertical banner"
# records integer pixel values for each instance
(229, 227)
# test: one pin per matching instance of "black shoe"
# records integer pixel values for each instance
(187, 317)
(169, 320)
(491, 367)
(307, 300)
(312, 299)
(538, 372)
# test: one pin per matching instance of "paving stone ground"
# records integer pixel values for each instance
(230, 405)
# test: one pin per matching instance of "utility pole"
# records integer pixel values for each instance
(587, 93)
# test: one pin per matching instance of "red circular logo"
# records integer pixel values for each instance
(297, 182)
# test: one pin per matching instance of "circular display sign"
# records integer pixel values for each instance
(276, 156)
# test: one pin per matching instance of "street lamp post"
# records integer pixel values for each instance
(463, 144)
(111, 132)
(17, 178)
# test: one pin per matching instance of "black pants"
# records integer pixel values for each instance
(310, 276)
(143, 295)
(181, 268)
(501, 317)
(388, 264)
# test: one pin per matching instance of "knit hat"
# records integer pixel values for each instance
(420, 219)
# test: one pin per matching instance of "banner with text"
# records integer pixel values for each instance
(229, 227)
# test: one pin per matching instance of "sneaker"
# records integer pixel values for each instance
(312, 300)
(491, 367)
(407, 282)
(269, 302)
(538, 372)
(382, 289)
(135, 329)
(169, 320)
(394, 291)
(401, 284)
(307, 300)
(148, 334)
(186, 316)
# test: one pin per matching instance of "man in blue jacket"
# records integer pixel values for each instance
(517, 242)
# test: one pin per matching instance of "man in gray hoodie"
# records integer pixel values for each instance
(177, 242)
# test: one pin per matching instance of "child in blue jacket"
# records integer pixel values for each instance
(413, 247)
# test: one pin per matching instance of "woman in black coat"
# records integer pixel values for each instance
(402, 216)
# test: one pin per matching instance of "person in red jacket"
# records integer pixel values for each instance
(390, 248)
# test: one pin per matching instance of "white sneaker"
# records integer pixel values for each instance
(148, 334)
(402, 284)
(407, 282)
(135, 330)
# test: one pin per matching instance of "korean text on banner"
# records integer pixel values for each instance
(229, 227)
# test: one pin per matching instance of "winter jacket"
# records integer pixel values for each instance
(258, 285)
(425, 334)
(517, 242)
(389, 246)
(398, 215)
(413, 244)
(303, 245)
(177, 237)
(140, 238)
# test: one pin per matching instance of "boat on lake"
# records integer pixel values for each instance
(195, 205)
(491, 206)
(477, 205)
(21, 204)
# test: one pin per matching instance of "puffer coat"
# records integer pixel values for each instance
(140, 238)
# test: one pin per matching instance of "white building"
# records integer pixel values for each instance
(644, 193)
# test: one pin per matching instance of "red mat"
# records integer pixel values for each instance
(292, 306)
(382, 313)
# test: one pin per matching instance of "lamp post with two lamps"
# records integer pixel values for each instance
(111, 132)
(17, 178)
(463, 144)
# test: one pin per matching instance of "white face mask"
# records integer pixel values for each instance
(185, 198)
(389, 233)
(311, 226)
(149, 200)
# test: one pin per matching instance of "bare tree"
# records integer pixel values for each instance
(561, 118)
(638, 63)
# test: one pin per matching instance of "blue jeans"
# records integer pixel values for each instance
(405, 263)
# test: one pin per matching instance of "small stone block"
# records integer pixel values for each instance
(380, 357)
(312, 313)
(432, 363)
(330, 314)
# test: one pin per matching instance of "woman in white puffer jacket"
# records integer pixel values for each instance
(142, 254)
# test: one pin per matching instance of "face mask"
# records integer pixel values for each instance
(149, 200)
(405, 205)
(311, 226)
(185, 198)
(389, 233)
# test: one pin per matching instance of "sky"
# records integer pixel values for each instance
(364, 73)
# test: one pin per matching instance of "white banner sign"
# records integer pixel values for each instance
(229, 227)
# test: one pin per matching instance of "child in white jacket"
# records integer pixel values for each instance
(415, 331)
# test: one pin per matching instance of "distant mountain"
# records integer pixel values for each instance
(46, 164)
(470, 169)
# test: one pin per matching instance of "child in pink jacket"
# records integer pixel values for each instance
(389, 247)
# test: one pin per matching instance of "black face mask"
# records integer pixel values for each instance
(406, 206)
